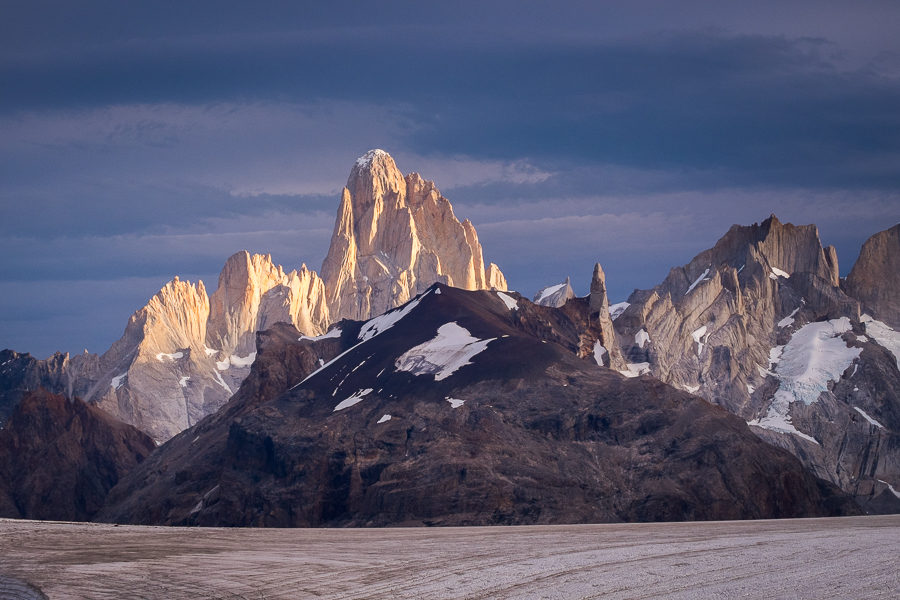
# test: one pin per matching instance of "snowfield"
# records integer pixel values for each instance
(847, 558)
(452, 348)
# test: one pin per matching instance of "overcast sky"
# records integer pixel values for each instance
(144, 140)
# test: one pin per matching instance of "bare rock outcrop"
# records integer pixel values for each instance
(393, 237)
(874, 279)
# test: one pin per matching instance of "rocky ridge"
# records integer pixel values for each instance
(760, 325)
(185, 353)
(59, 458)
(394, 236)
(461, 408)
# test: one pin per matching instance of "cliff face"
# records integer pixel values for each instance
(60, 457)
(760, 325)
(393, 237)
(874, 280)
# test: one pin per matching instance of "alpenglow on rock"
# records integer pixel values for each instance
(185, 353)
(395, 236)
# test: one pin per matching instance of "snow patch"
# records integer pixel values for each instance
(437, 292)
(635, 369)
(221, 382)
(599, 352)
(547, 292)
(703, 277)
(862, 338)
(245, 361)
(183, 381)
(616, 310)
(384, 322)
(750, 389)
(116, 382)
(454, 402)
(509, 301)
(788, 320)
(172, 356)
(354, 399)
(868, 418)
(334, 333)
(451, 349)
(779, 273)
(890, 487)
(693, 389)
(210, 351)
(641, 338)
(815, 356)
(884, 336)
(366, 159)
(383, 419)
(698, 335)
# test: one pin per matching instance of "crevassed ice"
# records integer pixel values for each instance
(443, 355)
(814, 356)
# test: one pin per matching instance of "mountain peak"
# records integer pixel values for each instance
(373, 156)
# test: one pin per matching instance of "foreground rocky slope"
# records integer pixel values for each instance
(186, 352)
(760, 325)
(461, 408)
(59, 458)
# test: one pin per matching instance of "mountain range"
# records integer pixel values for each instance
(406, 385)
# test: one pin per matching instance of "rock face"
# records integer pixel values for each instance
(461, 408)
(185, 353)
(759, 325)
(394, 236)
(874, 280)
(59, 458)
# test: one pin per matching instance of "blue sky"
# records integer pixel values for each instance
(144, 140)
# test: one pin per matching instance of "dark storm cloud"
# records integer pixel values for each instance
(761, 108)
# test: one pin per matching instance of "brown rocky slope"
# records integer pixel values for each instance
(460, 410)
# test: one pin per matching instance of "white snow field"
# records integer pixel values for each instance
(846, 558)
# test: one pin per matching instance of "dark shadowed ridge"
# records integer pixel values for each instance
(525, 433)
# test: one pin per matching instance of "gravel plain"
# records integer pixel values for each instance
(843, 558)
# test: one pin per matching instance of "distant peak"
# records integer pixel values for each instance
(369, 157)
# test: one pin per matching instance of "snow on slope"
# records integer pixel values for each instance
(452, 348)
(508, 300)
(815, 356)
(384, 322)
(886, 337)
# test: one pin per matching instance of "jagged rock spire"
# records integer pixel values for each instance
(394, 236)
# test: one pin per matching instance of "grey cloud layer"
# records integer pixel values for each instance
(144, 140)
